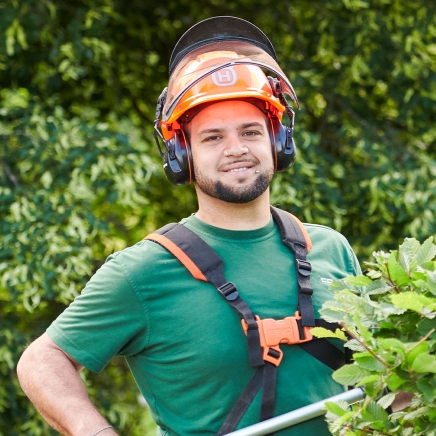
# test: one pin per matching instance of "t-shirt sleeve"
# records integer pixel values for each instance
(105, 320)
(357, 270)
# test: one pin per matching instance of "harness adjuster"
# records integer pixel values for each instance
(273, 332)
(228, 291)
(304, 267)
(306, 291)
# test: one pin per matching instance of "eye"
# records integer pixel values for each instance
(211, 138)
(251, 133)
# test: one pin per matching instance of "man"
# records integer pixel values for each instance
(220, 121)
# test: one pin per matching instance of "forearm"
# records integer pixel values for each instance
(51, 381)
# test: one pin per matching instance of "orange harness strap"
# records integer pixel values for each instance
(179, 254)
(304, 231)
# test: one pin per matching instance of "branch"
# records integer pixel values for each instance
(390, 281)
(9, 173)
(364, 345)
(422, 340)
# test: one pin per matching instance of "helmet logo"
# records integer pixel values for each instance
(224, 77)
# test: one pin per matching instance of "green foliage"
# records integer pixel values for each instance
(79, 172)
(392, 324)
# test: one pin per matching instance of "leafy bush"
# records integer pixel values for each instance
(389, 317)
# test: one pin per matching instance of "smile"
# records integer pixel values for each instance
(238, 169)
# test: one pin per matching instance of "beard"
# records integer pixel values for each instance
(233, 193)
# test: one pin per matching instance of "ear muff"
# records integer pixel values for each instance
(176, 155)
(177, 159)
(282, 137)
(282, 145)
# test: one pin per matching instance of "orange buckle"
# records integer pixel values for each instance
(274, 332)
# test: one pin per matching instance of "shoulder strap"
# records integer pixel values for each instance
(295, 236)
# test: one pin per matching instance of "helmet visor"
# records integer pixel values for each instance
(189, 71)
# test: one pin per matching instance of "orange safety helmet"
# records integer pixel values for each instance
(232, 82)
(216, 71)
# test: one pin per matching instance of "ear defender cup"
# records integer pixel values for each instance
(177, 159)
(282, 145)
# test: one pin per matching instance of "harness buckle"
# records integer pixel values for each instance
(273, 332)
(304, 267)
(228, 291)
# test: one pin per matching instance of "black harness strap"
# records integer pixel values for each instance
(268, 391)
(293, 237)
(204, 264)
(243, 402)
(265, 377)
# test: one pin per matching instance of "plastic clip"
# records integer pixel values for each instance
(304, 267)
(274, 332)
(228, 291)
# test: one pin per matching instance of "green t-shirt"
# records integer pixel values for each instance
(184, 344)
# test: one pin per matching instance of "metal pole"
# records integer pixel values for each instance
(296, 416)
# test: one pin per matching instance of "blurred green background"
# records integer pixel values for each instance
(81, 176)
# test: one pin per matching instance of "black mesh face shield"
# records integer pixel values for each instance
(247, 43)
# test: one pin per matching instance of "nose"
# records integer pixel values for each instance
(234, 147)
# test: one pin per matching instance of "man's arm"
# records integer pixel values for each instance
(50, 378)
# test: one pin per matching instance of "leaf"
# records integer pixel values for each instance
(390, 309)
(349, 375)
(336, 409)
(401, 276)
(424, 363)
(374, 274)
(422, 411)
(386, 400)
(341, 335)
(330, 315)
(415, 302)
(378, 287)
(358, 281)
(416, 351)
(408, 252)
(377, 412)
(431, 282)
(426, 388)
(368, 380)
(425, 325)
(394, 381)
(355, 345)
(346, 417)
(409, 301)
(367, 361)
(427, 251)
(321, 332)
(392, 267)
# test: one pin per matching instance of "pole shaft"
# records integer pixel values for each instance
(296, 416)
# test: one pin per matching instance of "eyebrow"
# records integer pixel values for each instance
(253, 124)
(206, 131)
(220, 130)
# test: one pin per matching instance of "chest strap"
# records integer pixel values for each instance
(263, 348)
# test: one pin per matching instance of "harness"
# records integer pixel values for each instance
(264, 336)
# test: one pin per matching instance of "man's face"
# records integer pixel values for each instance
(231, 151)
